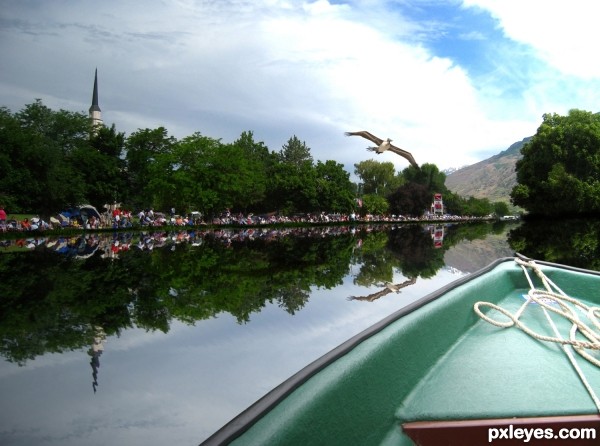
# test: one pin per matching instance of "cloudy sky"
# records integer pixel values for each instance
(453, 81)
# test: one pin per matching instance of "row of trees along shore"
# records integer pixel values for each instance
(51, 160)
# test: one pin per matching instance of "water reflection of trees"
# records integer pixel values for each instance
(406, 249)
(415, 253)
(572, 242)
(56, 297)
(409, 249)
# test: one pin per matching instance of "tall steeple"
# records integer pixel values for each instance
(95, 113)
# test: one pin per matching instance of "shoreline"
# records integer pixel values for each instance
(73, 231)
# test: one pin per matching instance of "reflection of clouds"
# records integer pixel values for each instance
(128, 339)
(137, 337)
(45, 361)
(286, 345)
(139, 418)
(132, 418)
(179, 387)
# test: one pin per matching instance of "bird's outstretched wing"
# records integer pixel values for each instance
(404, 154)
(366, 135)
(379, 141)
(387, 289)
(372, 297)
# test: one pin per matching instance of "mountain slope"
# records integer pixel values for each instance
(492, 178)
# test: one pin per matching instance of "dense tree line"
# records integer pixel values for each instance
(559, 173)
(53, 160)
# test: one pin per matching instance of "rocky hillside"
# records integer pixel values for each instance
(492, 178)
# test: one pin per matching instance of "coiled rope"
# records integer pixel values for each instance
(553, 299)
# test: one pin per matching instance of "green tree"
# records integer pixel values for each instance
(295, 152)
(163, 189)
(292, 183)
(374, 204)
(204, 174)
(63, 129)
(193, 172)
(258, 161)
(410, 199)
(559, 172)
(453, 203)
(102, 167)
(15, 177)
(293, 188)
(429, 176)
(36, 147)
(142, 149)
(235, 177)
(335, 191)
(377, 178)
(500, 208)
(477, 207)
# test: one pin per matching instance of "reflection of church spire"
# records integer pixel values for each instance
(95, 352)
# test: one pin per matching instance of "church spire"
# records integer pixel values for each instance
(95, 113)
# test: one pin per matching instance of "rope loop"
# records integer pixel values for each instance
(584, 335)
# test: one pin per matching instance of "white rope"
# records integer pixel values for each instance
(557, 301)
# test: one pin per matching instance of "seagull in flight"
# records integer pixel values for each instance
(388, 288)
(382, 146)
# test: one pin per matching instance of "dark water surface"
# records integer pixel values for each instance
(153, 339)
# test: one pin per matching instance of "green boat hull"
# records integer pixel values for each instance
(434, 360)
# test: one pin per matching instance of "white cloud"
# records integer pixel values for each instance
(563, 33)
(550, 62)
(283, 68)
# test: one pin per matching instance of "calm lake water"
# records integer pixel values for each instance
(161, 338)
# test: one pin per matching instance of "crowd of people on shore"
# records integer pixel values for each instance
(118, 218)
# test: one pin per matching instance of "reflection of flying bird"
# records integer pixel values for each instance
(383, 146)
(388, 288)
